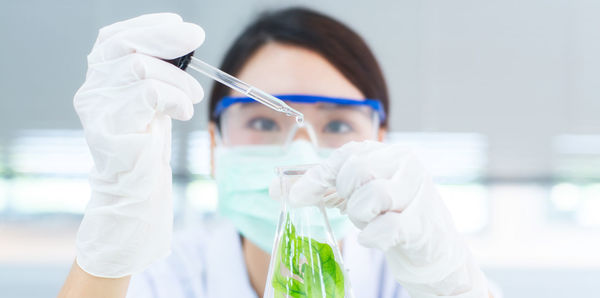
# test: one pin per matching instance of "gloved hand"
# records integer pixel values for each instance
(125, 105)
(387, 194)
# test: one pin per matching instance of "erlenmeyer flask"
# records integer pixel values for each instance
(305, 260)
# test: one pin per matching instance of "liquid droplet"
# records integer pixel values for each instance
(300, 120)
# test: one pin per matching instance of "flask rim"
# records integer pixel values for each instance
(295, 170)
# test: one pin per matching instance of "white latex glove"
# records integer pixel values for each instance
(387, 194)
(125, 106)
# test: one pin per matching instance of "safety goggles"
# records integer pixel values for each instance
(328, 121)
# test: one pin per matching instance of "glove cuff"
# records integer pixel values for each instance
(121, 236)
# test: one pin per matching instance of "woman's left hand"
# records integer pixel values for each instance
(389, 196)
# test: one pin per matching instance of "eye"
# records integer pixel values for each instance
(263, 124)
(338, 126)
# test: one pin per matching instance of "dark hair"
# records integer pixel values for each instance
(337, 43)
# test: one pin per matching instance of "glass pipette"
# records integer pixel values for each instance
(236, 84)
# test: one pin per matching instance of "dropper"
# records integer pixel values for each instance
(189, 61)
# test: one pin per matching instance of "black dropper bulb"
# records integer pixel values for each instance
(182, 62)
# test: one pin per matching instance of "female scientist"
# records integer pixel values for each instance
(397, 238)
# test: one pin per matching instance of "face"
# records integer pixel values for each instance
(286, 69)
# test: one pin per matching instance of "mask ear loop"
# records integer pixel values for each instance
(218, 137)
(309, 129)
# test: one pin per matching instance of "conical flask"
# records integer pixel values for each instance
(305, 261)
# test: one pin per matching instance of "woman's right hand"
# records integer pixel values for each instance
(125, 105)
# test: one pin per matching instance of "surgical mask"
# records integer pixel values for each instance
(243, 175)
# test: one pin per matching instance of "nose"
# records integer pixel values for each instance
(306, 132)
(302, 134)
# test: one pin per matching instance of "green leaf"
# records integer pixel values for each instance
(305, 267)
(325, 266)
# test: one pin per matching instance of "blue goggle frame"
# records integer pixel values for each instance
(375, 104)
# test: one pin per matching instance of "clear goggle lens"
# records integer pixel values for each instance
(328, 122)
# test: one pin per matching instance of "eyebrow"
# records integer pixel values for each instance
(332, 106)
(320, 106)
(245, 105)
(258, 107)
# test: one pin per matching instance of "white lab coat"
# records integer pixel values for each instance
(208, 263)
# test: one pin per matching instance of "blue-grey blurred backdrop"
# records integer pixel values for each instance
(501, 99)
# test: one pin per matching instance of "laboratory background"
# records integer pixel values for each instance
(500, 99)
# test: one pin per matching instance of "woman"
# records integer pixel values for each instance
(397, 237)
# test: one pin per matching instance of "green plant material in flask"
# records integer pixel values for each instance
(306, 267)
(305, 261)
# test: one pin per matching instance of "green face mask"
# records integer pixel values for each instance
(243, 175)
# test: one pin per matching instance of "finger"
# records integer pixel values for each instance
(318, 181)
(141, 21)
(331, 199)
(169, 100)
(153, 68)
(334, 200)
(354, 173)
(166, 41)
(369, 201)
(373, 187)
(424, 218)
(309, 189)
(146, 99)
(136, 67)
(337, 159)
(373, 161)
(383, 232)
(407, 181)
(384, 161)
(145, 67)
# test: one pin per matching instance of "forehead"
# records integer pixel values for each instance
(287, 69)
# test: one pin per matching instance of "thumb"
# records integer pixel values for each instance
(310, 188)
